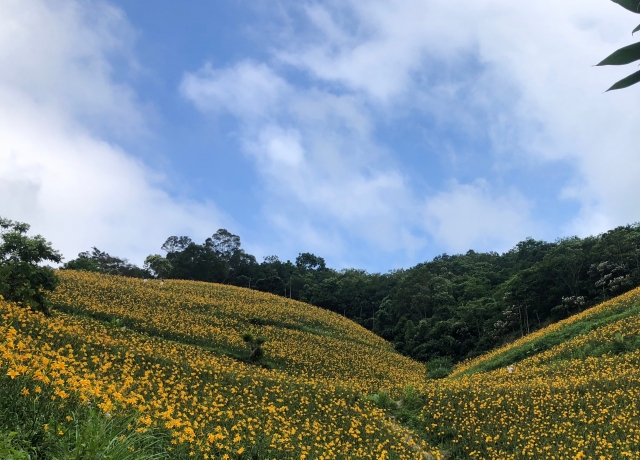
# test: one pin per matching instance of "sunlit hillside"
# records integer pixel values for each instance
(300, 339)
(172, 358)
(172, 352)
(577, 395)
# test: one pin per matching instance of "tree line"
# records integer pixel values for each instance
(455, 306)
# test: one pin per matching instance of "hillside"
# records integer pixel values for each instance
(574, 392)
(608, 327)
(167, 361)
(458, 305)
(172, 354)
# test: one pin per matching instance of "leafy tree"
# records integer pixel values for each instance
(83, 262)
(22, 279)
(224, 243)
(627, 54)
(102, 262)
(439, 368)
(219, 259)
(198, 262)
(176, 244)
(307, 261)
(158, 265)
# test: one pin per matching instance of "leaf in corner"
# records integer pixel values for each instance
(623, 56)
(631, 5)
(625, 82)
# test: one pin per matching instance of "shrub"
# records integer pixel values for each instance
(255, 346)
(439, 368)
(383, 400)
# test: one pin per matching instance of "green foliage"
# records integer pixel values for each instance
(8, 450)
(22, 278)
(33, 426)
(412, 401)
(383, 400)
(627, 54)
(626, 81)
(255, 346)
(439, 368)
(100, 437)
(83, 264)
(406, 410)
(631, 5)
(101, 262)
(158, 265)
(219, 259)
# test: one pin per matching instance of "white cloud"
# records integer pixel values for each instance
(58, 99)
(58, 54)
(518, 76)
(376, 46)
(316, 157)
(521, 73)
(472, 216)
(246, 90)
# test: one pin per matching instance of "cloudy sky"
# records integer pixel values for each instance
(376, 134)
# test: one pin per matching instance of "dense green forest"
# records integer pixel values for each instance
(454, 306)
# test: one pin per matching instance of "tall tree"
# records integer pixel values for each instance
(176, 244)
(159, 266)
(22, 278)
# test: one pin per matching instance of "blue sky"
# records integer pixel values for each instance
(375, 134)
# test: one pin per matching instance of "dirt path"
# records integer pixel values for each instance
(407, 439)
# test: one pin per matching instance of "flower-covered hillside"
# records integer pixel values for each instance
(210, 405)
(300, 339)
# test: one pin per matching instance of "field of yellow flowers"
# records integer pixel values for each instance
(300, 339)
(170, 355)
(579, 399)
(161, 360)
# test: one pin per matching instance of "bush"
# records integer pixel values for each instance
(255, 346)
(439, 368)
(383, 400)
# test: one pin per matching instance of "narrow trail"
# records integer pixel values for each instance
(407, 439)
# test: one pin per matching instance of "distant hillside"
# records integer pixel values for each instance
(161, 370)
(173, 353)
(573, 392)
(612, 326)
(458, 306)
(300, 339)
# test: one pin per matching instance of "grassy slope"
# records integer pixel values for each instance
(301, 339)
(172, 354)
(575, 392)
(616, 310)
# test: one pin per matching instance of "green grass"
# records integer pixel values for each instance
(33, 427)
(566, 333)
(9, 450)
